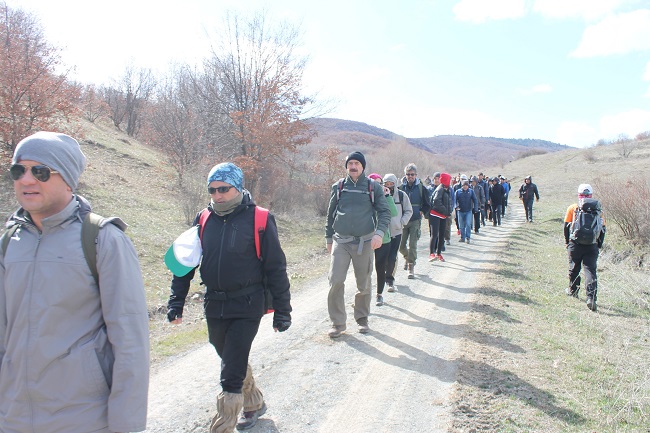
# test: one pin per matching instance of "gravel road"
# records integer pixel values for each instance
(397, 378)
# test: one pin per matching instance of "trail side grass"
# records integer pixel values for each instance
(535, 359)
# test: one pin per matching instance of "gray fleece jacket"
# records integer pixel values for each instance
(74, 358)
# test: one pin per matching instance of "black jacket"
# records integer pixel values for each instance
(419, 197)
(441, 202)
(230, 264)
(496, 194)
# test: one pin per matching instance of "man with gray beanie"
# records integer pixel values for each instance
(357, 218)
(235, 278)
(74, 343)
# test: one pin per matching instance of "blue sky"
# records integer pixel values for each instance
(569, 71)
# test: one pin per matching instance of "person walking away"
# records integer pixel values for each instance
(397, 223)
(357, 218)
(441, 210)
(480, 197)
(381, 253)
(420, 203)
(74, 326)
(527, 193)
(584, 234)
(495, 200)
(235, 280)
(466, 204)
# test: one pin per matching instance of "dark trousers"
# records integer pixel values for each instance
(583, 256)
(232, 338)
(438, 227)
(496, 214)
(477, 221)
(528, 207)
(381, 265)
(392, 259)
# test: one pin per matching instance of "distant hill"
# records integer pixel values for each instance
(348, 134)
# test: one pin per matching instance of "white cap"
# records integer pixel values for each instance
(585, 189)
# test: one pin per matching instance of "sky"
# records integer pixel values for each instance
(568, 71)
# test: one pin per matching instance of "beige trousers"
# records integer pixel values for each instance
(342, 255)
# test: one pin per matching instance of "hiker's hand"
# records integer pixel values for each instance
(386, 191)
(329, 248)
(174, 316)
(281, 326)
(375, 242)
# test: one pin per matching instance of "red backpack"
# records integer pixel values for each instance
(261, 216)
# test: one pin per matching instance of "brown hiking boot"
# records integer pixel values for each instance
(411, 271)
(249, 419)
(336, 331)
(363, 325)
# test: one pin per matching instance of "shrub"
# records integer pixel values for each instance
(626, 204)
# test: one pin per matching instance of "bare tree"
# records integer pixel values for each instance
(128, 96)
(92, 104)
(174, 123)
(258, 74)
(32, 94)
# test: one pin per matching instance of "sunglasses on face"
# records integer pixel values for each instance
(40, 172)
(410, 174)
(219, 189)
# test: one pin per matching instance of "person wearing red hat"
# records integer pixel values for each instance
(441, 209)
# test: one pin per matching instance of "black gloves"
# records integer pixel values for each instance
(281, 326)
(173, 314)
(281, 321)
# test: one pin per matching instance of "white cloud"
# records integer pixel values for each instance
(616, 34)
(479, 11)
(577, 134)
(629, 123)
(588, 10)
(646, 74)
(538, 88)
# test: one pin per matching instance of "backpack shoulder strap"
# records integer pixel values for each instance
(6, 237)
(339, 189)
(261, 216)
(89, 233)
(371, 190)
(203, 218)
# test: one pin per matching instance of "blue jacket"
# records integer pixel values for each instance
(466, 200)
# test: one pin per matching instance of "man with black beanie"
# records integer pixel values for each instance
(357, 218)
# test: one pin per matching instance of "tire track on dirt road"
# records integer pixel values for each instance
(397, 378)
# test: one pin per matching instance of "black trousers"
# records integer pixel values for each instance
(496, 214)
(232, 338)
(477, 221)
(438, 226)
(381, 266)
(583, 256)
(528, 207)
(392, 259)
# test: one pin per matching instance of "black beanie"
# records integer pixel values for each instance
(357, 156)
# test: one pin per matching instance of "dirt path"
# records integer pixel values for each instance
(397, 378)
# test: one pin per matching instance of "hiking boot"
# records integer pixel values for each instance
(336, 331)
(380, 300)
(440, 258)
(363, 325)
(411, 271)
(391, 288)
(570, 292)
(591, 303)
(467, 240)
(447, 242)
(249, 419)
(432, 257)
(406, 266)
(461, 240)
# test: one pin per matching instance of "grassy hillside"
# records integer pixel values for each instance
(128, 179)
(537, 360)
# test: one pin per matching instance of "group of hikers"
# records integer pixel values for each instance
(74, 333)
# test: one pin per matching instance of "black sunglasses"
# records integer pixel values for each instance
(40, 172)
(219, 189)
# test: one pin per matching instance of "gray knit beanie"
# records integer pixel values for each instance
(60, 152)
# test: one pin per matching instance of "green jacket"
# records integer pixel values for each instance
(352, 214)
(393, 213)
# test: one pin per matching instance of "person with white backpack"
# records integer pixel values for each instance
(584, 233)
